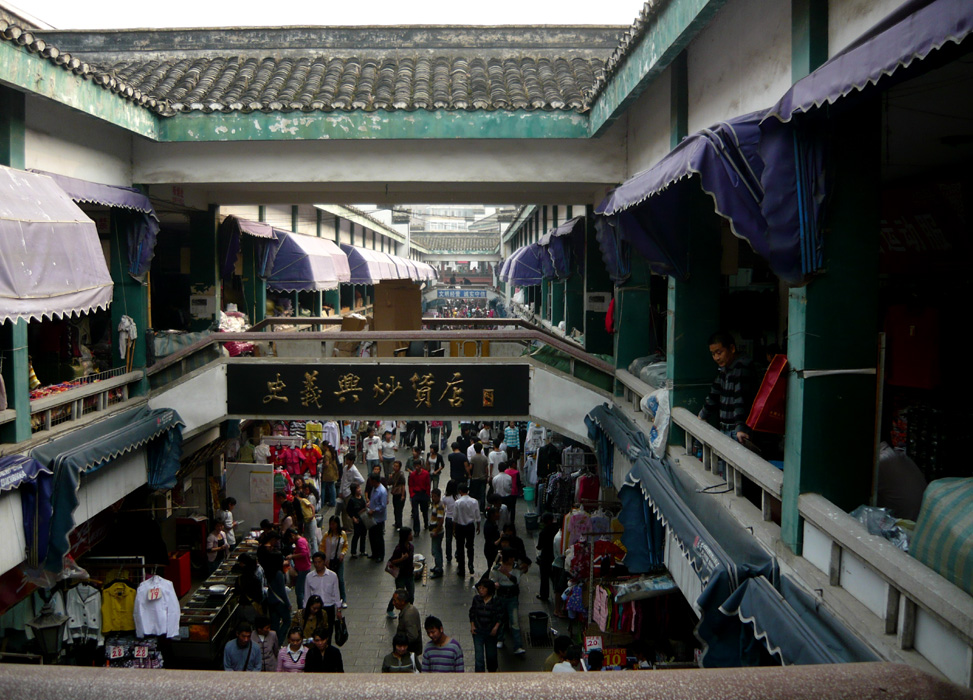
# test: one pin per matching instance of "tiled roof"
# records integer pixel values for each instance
(626, 44)
(34, 44)
(456, 243)
(346, 69)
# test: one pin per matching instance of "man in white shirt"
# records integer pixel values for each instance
(323, 581)
(388, 453)
(466, 519)
(372, 445)
(502, 484)
(484, 434)
(497, 459)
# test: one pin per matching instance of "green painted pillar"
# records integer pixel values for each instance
(596, 279)
(557, 302)
(254, 286)
(633, 317)
(204, 275)
(678, 100)
(13, 334)
(809, 36)
(129, 296)
(829, 445)
(545, 300)
(694, 309)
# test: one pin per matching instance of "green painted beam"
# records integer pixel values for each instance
(37, 75)
(679, 100)
(440, 124)
(809, 36)
(671, 30)
(13, 129)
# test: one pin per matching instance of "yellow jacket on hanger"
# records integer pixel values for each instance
(118, 608)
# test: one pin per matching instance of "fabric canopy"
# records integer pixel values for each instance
(307, 263)
(232, 227)
(51, 261)
(18, 469)
(142, 230)
(651, 210)
(565, 247)
(910, 33)
(524, 267)
(90, 448)
(792, 626)
(368, 266)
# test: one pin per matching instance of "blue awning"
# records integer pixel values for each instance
(307, 263)
(368, 266)
(792, 625)
(142, 230)
(911, 33)
(524, 268)
(233, 227)
(88, 449)
(51, 261)
(565, 247)
(18, 469)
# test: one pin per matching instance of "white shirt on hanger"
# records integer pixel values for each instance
(156, 608)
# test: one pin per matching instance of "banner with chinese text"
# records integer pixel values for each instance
(378, 390)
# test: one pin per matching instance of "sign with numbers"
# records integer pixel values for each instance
(614, 657)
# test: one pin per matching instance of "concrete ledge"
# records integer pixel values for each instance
(843, 682)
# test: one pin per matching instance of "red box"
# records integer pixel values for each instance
(178, 571)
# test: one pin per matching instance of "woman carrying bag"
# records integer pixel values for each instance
(335, 547)
(400, 566)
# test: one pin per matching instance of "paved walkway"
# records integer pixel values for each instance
(448, 598)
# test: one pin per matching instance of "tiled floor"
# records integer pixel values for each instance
(448, 598)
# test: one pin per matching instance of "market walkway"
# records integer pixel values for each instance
(448, 598)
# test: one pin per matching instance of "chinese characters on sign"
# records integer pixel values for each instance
(461, 294)
(420, 389)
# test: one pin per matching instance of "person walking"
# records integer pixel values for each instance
(409, 625)
(402, 558)
(435, 464)
(437, 530)
(449, 502)
(329, 477)
(442, 654)
(507, 575)
(378, 504)
(300, 559)
(479, 469)
(397, 489)
(388, 453)
(335, 547)
(419, 490)
(291, 658)
(372, 446)
(322, 657)
(401, 660)
(515, 489)
(486, 614)
(354, 507)
(349, 477)
(545, 556)
(466, 524)
(511, 438)
(272, 562)
(307, 620)
(266, 638)
(243, 654)
(323, 582)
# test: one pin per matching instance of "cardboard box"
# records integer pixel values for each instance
(398, 307)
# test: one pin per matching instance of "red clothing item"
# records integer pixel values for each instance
(311, 457)
(514, 481)
(419, 482)
(302, 555)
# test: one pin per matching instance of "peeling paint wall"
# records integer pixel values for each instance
(648, 125)
(741, 62)
(64, 141)
(849, 19)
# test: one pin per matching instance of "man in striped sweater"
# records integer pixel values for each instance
(442, 654)
(733, 390)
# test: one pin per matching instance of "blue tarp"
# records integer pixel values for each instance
(88, 449)
(306, 263)
(652, 210)
(524, 268)
(564, 246)
(141, 226)
(18, 469)
(727, 560)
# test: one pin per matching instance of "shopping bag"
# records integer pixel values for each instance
(391, 569)
(767, 413)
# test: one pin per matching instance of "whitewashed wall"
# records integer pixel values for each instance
(849, 19)
(740, 63)
(561, 402)
(12, 525)
(648, 125)
(63, 141)
(200, 400)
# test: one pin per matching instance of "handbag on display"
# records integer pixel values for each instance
(767, 413)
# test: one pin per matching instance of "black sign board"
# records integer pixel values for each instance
(378, 390)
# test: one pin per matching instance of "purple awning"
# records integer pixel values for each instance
(910, 33)
(143, 228)
(233, 227)
(17, 469)
(565, 248)
(524, 267)
(307, 263)
(368, 266)
(51, 261)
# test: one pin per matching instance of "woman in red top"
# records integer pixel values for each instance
(301, 559)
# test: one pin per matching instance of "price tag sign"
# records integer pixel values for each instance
(115, 652)
(614, 657)
(141, 652)
(154, 593)
(592, 643)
